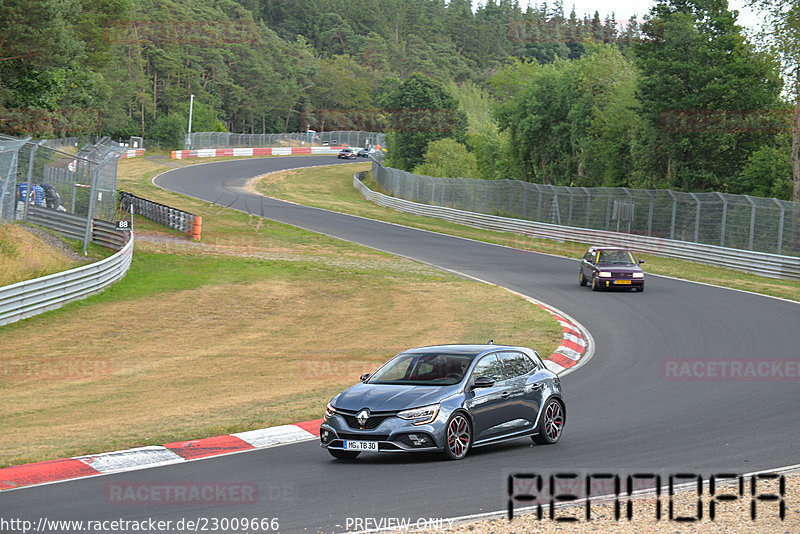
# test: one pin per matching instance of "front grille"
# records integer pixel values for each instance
(363, 437)
(372, 423)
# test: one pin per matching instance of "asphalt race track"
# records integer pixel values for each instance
(621, 413)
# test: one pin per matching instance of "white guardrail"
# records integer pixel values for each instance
(32, 297)
(771, 265)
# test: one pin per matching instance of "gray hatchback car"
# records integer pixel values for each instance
(447, 398)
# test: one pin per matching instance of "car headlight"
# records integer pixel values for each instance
(329, 411)
(638, 275)
(420, 416)
(604, 274)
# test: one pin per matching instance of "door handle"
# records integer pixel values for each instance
(505, 394)
(535, 387)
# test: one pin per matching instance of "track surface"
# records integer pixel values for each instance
(621, 413)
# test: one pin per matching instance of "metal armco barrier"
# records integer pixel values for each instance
(764, 264)
(74, 226)
(32, 297)
(179, 220)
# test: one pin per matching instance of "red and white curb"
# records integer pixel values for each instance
(572, 347)
(576, 342)
(144, 457)
(275, 151)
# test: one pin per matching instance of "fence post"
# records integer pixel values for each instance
(674, 213)
(696, 219)
(538, 203)
(630, 202)
(752, 220)
(650, 213)
(569, 211)
(524, 200)
(780, 225)
(28, 187)
(724, 219)
(87, 235)
(588, 206)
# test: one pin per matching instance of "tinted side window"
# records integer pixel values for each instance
(515, 364)
(529, 364)
(489, 366)
(588, 257)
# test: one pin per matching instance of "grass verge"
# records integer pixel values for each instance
(25, 255)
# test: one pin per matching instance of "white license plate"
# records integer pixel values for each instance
(361, 445)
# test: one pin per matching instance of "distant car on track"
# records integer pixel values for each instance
(365, 152)
(447, 398)
(347, 153)
(611, 268)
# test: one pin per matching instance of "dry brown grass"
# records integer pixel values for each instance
(24, 256)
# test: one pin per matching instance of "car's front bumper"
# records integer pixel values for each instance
(392, 435)
(620, 283)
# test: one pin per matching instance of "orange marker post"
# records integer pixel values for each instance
(197, 227)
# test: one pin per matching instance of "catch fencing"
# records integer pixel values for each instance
(202, 140)
(9, 156)
(730, 221)
(79, 181)
(772, 265)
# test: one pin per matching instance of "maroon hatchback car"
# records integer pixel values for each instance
(611, 267)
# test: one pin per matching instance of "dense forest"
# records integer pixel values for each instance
(678, 98)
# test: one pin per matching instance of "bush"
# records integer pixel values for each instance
(169, 131)
(447, 158)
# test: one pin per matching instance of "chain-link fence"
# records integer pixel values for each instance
(9, 148)
(733, 221)
(35, 173)
(200, 140)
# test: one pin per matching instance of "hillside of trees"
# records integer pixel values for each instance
(679, 98)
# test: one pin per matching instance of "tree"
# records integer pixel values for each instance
(697, 69)
(571, 122)
(447, 158)
(420, 111)
(767, 173)
(342, 92)
(783, 29)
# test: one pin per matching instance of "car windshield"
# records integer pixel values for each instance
(423, 370)
(618, 257)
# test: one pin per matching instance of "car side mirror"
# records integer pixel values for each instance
(365, 377)
(641, 261)
(483, 382)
